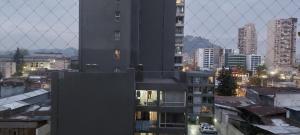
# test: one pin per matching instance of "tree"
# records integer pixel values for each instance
(261, 70)
(19, 60)
(227, 83)
(257, 80)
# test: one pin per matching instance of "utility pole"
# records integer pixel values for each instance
(1, 83)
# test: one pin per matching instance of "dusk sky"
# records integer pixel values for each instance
(37, 24)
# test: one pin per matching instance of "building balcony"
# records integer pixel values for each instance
(206, 114)
(197, 93)
(172, 104)
(146, 103)
(179, 54)
(179, 24)
(179, 34)
(145, 125)
(179, 13)
(178, 64)
(180, 44)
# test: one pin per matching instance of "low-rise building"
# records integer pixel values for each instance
(236, 60)
(253, 61)
(293, 114)
(278, 97)
(200, 95)
(45, 61)
(226, 110)
(7, 68)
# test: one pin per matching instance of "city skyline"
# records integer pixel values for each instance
(51, 33)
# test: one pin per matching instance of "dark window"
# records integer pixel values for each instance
(117, 35)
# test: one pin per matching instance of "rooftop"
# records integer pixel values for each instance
(233, 101)
(280, 130)
(262, 111)
(295, 108)
(274, 90)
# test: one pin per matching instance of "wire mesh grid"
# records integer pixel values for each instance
(53, 24)
(219, 20)
(38, 24)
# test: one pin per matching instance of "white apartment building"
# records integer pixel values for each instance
(281, 47)
(247, 40)
(7, 68)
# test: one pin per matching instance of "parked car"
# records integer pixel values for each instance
(203, 125)
(209, 130)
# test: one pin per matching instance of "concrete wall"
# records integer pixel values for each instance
(44, 130)
(285, 100)
(93, 103)
(222, 124)
(96, 34)
(157, 34)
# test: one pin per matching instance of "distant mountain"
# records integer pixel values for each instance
(191, 43)
(68, 52)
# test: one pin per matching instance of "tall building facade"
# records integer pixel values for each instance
(128, 36)
(236, 60)
(208, 58)
(281, 49)
(253, 61)
(179, 34)
(247, 40)
(129, 43)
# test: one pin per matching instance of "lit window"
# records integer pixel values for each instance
(117, 54)
(117, 35)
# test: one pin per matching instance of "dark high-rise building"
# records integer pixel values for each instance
(105, 35)
(157, 22)
(116, 35)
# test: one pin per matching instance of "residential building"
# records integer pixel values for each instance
(253, 61)
(293, 114)
(278, 97)
(7, 68)
(224, 55)
(131, 36)
(236, 60)
(133, 48)
(247, 40)
(19, 114)
(200, 95)
(281, 44)
(208, 58)
(226, 110)
(45, 61)
(179, 34)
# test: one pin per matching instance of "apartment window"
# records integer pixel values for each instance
(117, 35)
(117, 15)
(117, 54)
(146, 97)
(117, 69)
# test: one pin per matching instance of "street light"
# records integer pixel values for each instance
(272, 73)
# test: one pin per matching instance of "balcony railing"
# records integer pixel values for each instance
(172, 104)
(172, 125)
(144, 125)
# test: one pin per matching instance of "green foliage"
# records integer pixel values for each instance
(255, 81)
(261, 70)
(19, 59)
(227, 83)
